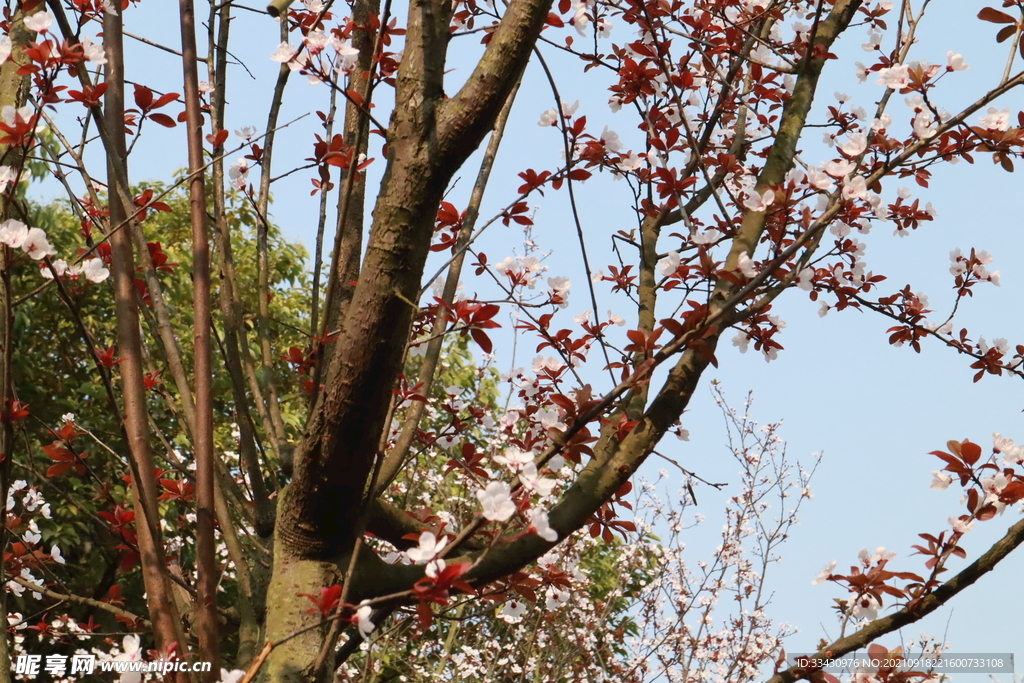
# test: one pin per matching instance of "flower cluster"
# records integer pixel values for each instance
(34, 243)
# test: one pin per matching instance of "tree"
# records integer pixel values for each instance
(356, 419)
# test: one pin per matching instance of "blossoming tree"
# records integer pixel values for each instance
(359, 488)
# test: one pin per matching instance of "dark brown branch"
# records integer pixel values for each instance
(465, 119)
(218, 27)
(276, 424)
(162, 609)
(202, 446)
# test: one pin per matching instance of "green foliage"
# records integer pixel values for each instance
(64, 379)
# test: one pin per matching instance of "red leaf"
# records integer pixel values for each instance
(58, 469)
(217, 139)
(143, 97)
(424, 615)
(970, 451)
(481, 338)
(163, 120)
(164, 100)
(326, 602)
(995, 16)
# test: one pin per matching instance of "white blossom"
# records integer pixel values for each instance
(856, 144)
(497, 501)
(363, 622)
(955, 62)
(540, 525)
(94, 270)
(759, 202)
(824, 573)
(39, 22)
(13, 233)
(534, 482)
(669, 265)
(866, 607)
(36, 245)
(746, 266)
(611, 140)
(512, 611)
(709, 236)
(93, 52)
(996, 119)
(428, 548)
(895, 77)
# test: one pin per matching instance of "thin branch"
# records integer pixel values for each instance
(206, 562)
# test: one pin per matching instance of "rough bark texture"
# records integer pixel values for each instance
(428, 139)
(333, 463)
(162, 609)
(13, 92)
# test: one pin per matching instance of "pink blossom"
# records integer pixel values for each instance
(896, 77)
(1012, 453)
(759, 202)
(348, 55)
(284, 53)
(839, 168)
(819, 179)
(996, 119)
(857, 143)
(514, 458)
(855, 187)
(962, 524)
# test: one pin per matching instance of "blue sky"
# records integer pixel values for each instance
(875, 411)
